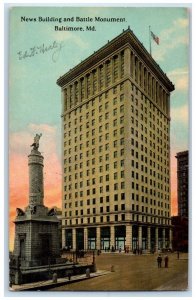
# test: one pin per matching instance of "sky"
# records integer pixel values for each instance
(35, 99)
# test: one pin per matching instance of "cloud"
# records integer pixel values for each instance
(20, 141)
(180, 114)
(181, 22)
(171, 38)
(94, 12)
(180, 77)
(68, 37)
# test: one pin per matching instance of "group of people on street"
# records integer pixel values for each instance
(159, 261)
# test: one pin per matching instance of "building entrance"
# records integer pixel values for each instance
(91, 238)
(68, 239)
(80, 239)
(105, 238)
(135, 245)
(152, 242)
(120, 237)
(144, 237)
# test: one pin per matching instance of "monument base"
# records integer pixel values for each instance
(36, 240)
(24, 275)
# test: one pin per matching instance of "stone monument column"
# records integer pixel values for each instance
(36, 189)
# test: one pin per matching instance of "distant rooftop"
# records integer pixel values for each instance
(182, 153)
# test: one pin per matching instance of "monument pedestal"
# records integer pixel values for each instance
(36, 239)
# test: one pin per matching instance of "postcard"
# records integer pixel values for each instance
(98, 148)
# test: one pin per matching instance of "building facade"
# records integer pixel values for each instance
(182, 182)
(116, 150)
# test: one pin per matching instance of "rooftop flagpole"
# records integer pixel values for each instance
(150, 40)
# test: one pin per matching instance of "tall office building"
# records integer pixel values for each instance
(116, 149)
(182, 182)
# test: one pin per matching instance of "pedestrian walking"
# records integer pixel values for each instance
(178, 254)
(159, 261)
(166, 261)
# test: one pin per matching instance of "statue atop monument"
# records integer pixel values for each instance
(35, 144)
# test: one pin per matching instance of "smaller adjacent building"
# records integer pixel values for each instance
(180, 222)
(182, 182)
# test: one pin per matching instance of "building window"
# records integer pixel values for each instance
(122, 185)
(115, 143)
(122, 109)
(123, 217)
(122, 141)
(123, 196)
(122, 206)
(121, 130)
(115, 112)
(115, 154)
(106, 116)
(121, 97)
(116, 186)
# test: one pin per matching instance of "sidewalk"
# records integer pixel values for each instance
(44, 285)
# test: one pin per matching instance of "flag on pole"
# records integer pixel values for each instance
(155, 38)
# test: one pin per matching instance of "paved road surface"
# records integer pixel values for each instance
(135, 273)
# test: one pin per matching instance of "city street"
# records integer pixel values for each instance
(135, 273)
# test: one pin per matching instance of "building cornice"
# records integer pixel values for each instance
(127, 37)
(110, 87)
